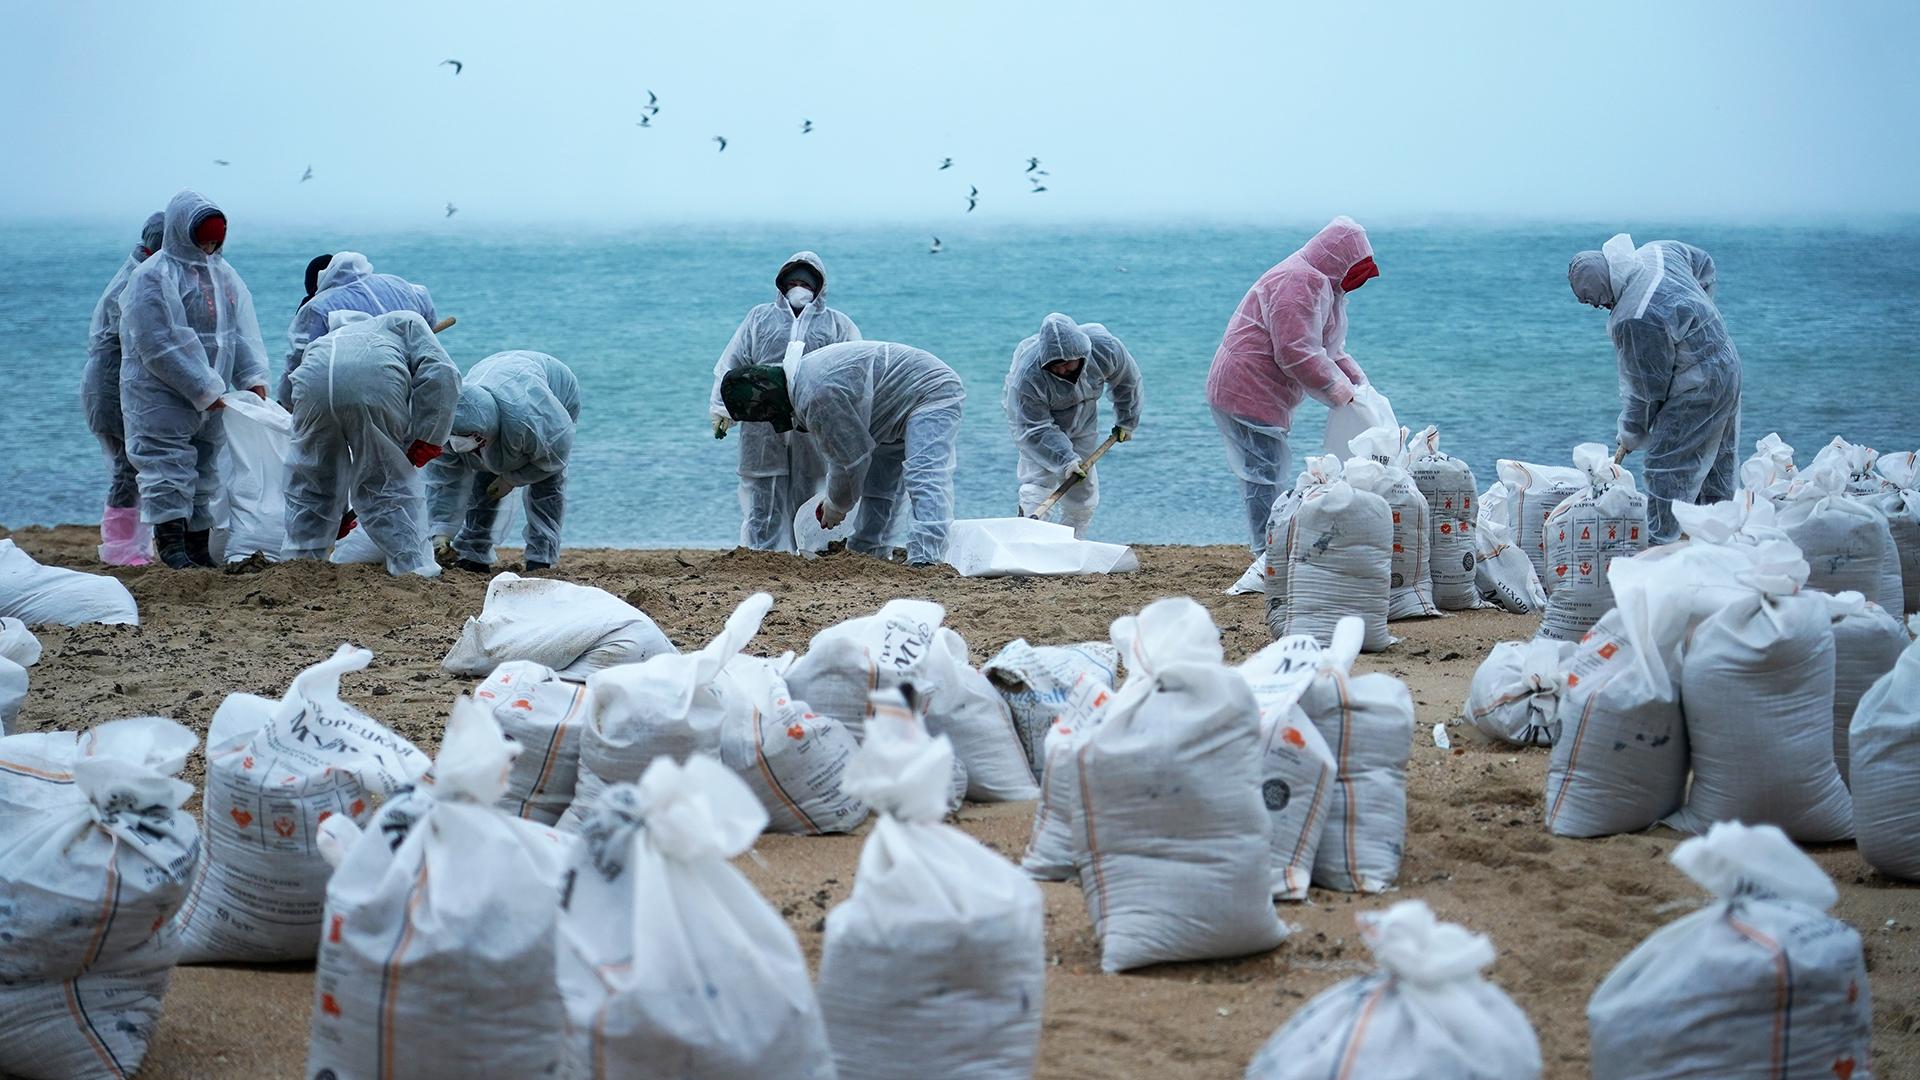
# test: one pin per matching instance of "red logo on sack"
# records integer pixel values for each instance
(1613, 532)
(1446, 528)
(359, 807)
(1607, 650)
(1844, 1068)
(1560, 571)
(1294, 738)
(1573, 681)
(1586, 533)
(322, 819)
(796, 732)
(1633, 532)
(485, 695)
(1396, 517)
(523, 705)
(333, 931)
(1586, 568)
(241, 817)
(247, 762)
(328, 1005)
(283, 826)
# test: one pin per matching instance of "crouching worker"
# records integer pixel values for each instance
(372, 403)
(1052, 399)
(513, 428)
(885, 417)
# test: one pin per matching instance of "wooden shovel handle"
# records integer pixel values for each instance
(444, 323)
(1040, 512)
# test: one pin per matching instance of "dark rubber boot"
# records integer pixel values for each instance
(197, 540)
(474, 566)
(170, 543)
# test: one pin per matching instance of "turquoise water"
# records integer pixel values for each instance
(1470, 328)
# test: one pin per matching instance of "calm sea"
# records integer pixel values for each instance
(1469, 328)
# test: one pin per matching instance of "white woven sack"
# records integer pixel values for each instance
(1425, 1013)
(1885, 747)
(935, 964)
(1049, 854)
(1899, 500)
(965, 707)
(275, 771)
(792, 758)
(13, 693)
(574, 629)
(1515, 693)
(253, 470)
(1329, 555)
(1297, 772)
(95, 857)
(1447, 483)
(544, 714)
(1620, 756)
(1770, 470)
(1760, 982)
(1854, 462)
(1532, 493)
(438, 955)
(1604, 521)
(57, 596)
(1171, 835)
(1867, 643)
(1035, 680)
(1847, 543)
(670, 962)
(1379, 466)
(1367, 721)
(1502, 572)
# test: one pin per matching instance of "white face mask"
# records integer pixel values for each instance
(463, 444)
(799, 296)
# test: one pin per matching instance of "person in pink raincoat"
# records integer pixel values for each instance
(1287, 340)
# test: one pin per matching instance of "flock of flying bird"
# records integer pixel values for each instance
(1034, 174)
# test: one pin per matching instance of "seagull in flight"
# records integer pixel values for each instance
(308, 175)
(457, 65)
(452, 209)
(1033, 163)
(653, 101)
(806, 127)
(221, 161)
(1038, 188)
(945, 163)
(645, 121)
(935, 249)
(722, 140)
(973, 198)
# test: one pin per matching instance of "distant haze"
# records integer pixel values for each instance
(1251, 111)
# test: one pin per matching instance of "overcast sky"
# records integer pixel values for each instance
(1138, 110)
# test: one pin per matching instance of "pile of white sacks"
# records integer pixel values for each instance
(1758, 671)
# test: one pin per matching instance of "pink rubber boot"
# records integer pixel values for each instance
(124, 541)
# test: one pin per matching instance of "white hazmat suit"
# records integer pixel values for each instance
(520, 408)
(188, 335)
(100, 382)
(1055, 421)
(348, 284)
(364, 395)
(779, 470)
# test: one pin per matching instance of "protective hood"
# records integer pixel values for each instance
(1335, 249)
(346, 268)
(476, 412)
(1591, 279)
(1060, 338)
(184, 211)
(154, 232)
(810, 261)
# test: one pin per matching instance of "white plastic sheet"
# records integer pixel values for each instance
(253, 467)
(574, 629)
(1022, 547)
(56, 596)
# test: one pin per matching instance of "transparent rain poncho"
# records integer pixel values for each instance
(367, 392)
(778, 471)
(1679, 371)
(522, 406)
(886, 418)
(348, 284)
(1056, 422)
(187, 335)
(100, 382)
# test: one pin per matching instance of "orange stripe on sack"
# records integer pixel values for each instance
(1352, 1054)
(1573, 755)
(392, 974)
(1782, 990)
(1093, 841)
(85, 1027)
(766, 770)
(553, 748)
(1353, 813)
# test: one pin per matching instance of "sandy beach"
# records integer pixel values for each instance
(1561, 912)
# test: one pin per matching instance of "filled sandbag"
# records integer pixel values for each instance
(253, 471)
(1620, 756)
(1367, 721)
(935, 964)
(1867, 643)
(13, 693)
(1329, 555)
(439, 947)
(1035, 680)
(358, 548)
(1502, 572)
(55, 596)
(1884, 740)
(1853, 461)
(1899, 499)
(544, 713)
(1604, 521)
(1770, 471)
(1532, 491)
(1447, 483)
(1756, 686)
(95, 857)
(1760, 982)
(18, 644)
(1515, 693)
(1848, 544)
(1379, 465)
(1049, 854)
(1252, 580)
(670, 962)
(1297, 770)
(574, 629)
(1170, 833)
(1368, 408)
(673, 705)
(275, 771)
(793, 759)
(1425, 1013)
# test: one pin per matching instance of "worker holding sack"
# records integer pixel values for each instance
(779, 470)
(1052, 401)
(122, 542)
(1286, 341)
(346, 282)
(1679, 371)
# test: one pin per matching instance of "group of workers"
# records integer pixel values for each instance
(827, 420)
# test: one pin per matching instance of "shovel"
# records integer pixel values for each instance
(1040, 512)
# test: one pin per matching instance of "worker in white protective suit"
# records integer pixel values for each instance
(512, 428)
(347, 283)
(122, 541)
(372, 404)
(187, 335)
(886, 419)
(779, 471)
(1052, 401)
(1679, 371)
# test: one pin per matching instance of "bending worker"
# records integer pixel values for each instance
(121, 541)
(1052, 401)
(779, 471)
(347, 283)
(1287, 340)
(512, 428)
(188, 335)
(885, 417)
(1679, 372)
(372, 404)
